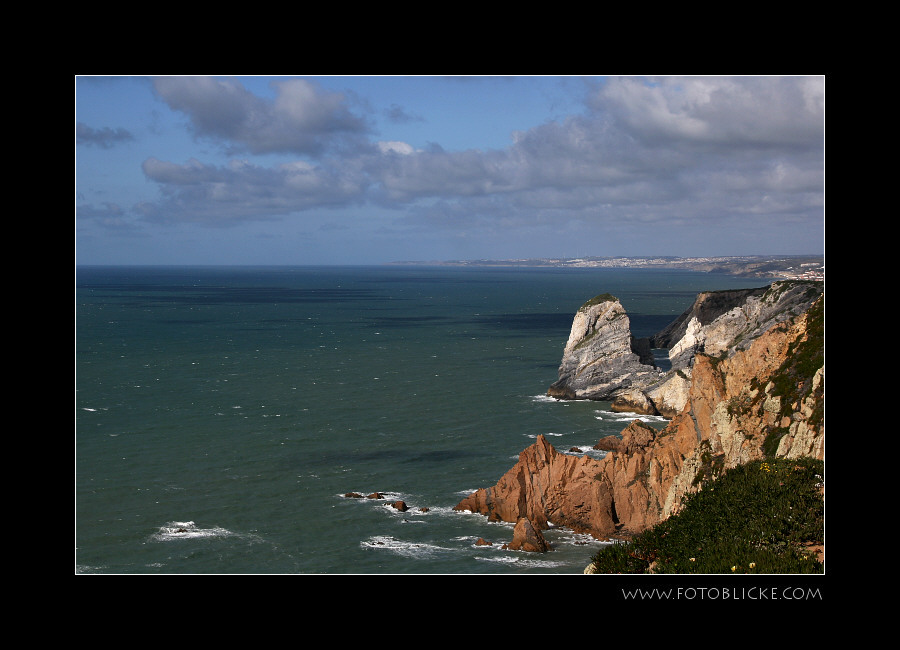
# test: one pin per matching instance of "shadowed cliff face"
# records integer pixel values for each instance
(765, 399)
(707, 307)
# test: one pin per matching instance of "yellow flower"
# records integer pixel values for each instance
(733, 568)
(753, 565)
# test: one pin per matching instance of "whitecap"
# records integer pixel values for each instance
(383, 496)
(551, 434)
(188, 530)
(86, 568)
(514, 558)
(585, 450)
(627, 416)
(415, 550)
(567, 536)
(504, 559)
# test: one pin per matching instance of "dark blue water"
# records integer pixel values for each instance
(222, 413)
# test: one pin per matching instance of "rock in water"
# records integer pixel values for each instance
(547, 487)
(528, 538)
(601, 359)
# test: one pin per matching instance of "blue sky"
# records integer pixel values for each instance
(374, 169)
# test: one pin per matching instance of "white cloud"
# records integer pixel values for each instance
(395, 147)
(732, 111)
(302, 119)
(645, 151)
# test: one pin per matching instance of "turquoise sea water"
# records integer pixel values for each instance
(222, 413)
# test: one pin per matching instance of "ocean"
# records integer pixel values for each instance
(223, 413)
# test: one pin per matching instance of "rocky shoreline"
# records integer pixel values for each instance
(747, 382)
(603, 361)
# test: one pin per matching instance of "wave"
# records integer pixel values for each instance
(414, 550)
(527, 561)
(188, 530)
(386, 501)
(364, 495)
(583, 450)
(627, 416)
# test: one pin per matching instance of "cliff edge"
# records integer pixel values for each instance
(603, 361)
(759, 398)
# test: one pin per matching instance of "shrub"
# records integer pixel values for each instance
(596, 300)
(755, 518)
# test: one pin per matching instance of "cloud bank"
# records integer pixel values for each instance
(643, 152)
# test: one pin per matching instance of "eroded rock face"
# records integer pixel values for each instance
(601, 360)
(765, 399)
(546, 486)
(721, 322)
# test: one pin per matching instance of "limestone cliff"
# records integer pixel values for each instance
(600, 360)
(764, 399)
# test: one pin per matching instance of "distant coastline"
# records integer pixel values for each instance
(780, 267)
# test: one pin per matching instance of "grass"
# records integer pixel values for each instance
(596, 300)
(755, 518)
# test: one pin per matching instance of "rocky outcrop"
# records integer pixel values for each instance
(600, 360)
(721, 322)
(528, 538)
(707, 307)
(765, 399)
(546, 486)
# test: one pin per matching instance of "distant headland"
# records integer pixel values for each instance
(780, 267)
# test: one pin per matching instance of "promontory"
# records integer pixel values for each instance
(746, 382)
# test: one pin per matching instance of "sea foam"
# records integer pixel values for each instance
(188, 530)
(627, 416)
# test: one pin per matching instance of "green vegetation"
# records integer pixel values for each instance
(587, 339)
(793, 381)
(596, 300)
(755, 518)
(776, 289)
(773, 439)
(711, 466)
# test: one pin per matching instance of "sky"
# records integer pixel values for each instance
(300, 170)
